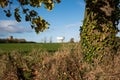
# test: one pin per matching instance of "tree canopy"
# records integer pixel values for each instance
(37, 22)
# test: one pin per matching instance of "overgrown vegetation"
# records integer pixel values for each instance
(100, 28)
(65, 64)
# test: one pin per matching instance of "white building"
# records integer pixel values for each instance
(60, 39)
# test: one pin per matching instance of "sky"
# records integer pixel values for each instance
(65, 20)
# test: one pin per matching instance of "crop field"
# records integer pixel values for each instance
(27, 47)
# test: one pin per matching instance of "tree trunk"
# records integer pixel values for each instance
(99, 28)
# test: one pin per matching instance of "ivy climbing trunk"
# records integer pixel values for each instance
(99, 28)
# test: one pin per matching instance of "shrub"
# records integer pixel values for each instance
(65, 64)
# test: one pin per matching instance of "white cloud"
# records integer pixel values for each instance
(11, 26)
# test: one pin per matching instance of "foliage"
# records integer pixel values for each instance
(37, 22)
(13, 41)
(99, 28)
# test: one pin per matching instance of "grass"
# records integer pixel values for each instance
(28, 47)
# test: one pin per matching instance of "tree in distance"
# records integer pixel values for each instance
(72, 40)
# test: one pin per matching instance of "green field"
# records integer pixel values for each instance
(27, 47)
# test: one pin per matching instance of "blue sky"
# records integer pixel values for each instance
(65, 20)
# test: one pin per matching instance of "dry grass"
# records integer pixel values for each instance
(65, 64)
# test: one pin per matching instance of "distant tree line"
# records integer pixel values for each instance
(14, 41)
